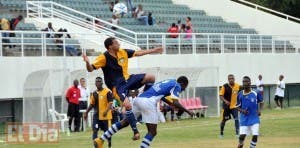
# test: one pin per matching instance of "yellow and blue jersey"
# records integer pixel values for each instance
(114, 69)
(250, 103)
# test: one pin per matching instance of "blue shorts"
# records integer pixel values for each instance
(133, 82)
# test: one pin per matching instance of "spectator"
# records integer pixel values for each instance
(188, 22)
(188, 32)
(72, 97)
(50, 31)
(279, 94)
(182, 28)
(5, 25)
(151, 19)
(140, 15)
(85, 93)
(129, 6)
(13, 24)
(173, 30)
(179, 25)
(114, 21)
(260, 85)
(228, 94)
(71, 50)
(111, 6)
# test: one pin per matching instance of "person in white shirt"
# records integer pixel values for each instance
(260, 85)
(279, 94)
(84, 98)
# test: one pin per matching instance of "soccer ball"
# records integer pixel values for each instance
(120, 9)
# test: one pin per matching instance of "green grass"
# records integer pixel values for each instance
(279, 129)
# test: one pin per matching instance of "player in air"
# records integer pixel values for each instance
(249, 104)
(114, 64)
(146, 105)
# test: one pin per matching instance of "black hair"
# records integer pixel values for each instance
(189, 18)
(82, 79)
(99, 78)
(173, 25)
(247, 77)
(230, 75)
(183, 80)
(108, 42)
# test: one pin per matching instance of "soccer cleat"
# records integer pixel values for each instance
(136, 136)
(221, 136)
(98, 143)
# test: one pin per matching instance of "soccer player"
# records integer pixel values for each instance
(247, 104)
(101, 100)
(228, 94)
(114, 64)
(145, 105)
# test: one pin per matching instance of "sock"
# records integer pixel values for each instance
(237, 126)
(222, 125)
(147, 86)
(252, 144)
(111, 131)
(132, 121)
(147, 141)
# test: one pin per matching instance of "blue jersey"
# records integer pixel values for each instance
(164, 88)
(250, 103)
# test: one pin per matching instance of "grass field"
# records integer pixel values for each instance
(279, 129)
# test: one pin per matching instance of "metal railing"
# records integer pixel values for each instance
(48, 9)
(36, 43)
(258, 7)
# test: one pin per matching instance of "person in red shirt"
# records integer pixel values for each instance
(174, 30)
(72, 97)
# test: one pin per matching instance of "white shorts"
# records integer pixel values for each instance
(147, 107)
(247, 130)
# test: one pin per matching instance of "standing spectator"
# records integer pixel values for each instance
(101, 101)
(173, 30)
(179, 25)
(188, 32)
(129, 6)
(72, 97)
(85, 93)
(279, 94)
(140, 15)
(13, 24)
(250, 104)
(114, 21)
(228, 94)
(188, 22)
(50, 31)
(111, 6)
(260, 85)
(5, 25)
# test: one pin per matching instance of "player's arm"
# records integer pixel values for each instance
(148, 51)
(222, 92)
(110, 102)
(100, 61)
(239, 104)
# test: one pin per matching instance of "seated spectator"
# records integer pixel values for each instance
(114, 21)
(5, 25)
(173, 30)
(50, 30)
(140, 15)
(151, 20)
(71, 50)
(182, 28)
(188, 32)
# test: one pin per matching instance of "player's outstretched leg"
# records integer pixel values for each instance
(132, 122)
(98, 142)
(150, 135)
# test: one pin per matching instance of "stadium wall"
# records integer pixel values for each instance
(247, 17)
(14, 70)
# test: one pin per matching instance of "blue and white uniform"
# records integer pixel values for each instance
(249, 123)
(146, 103)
